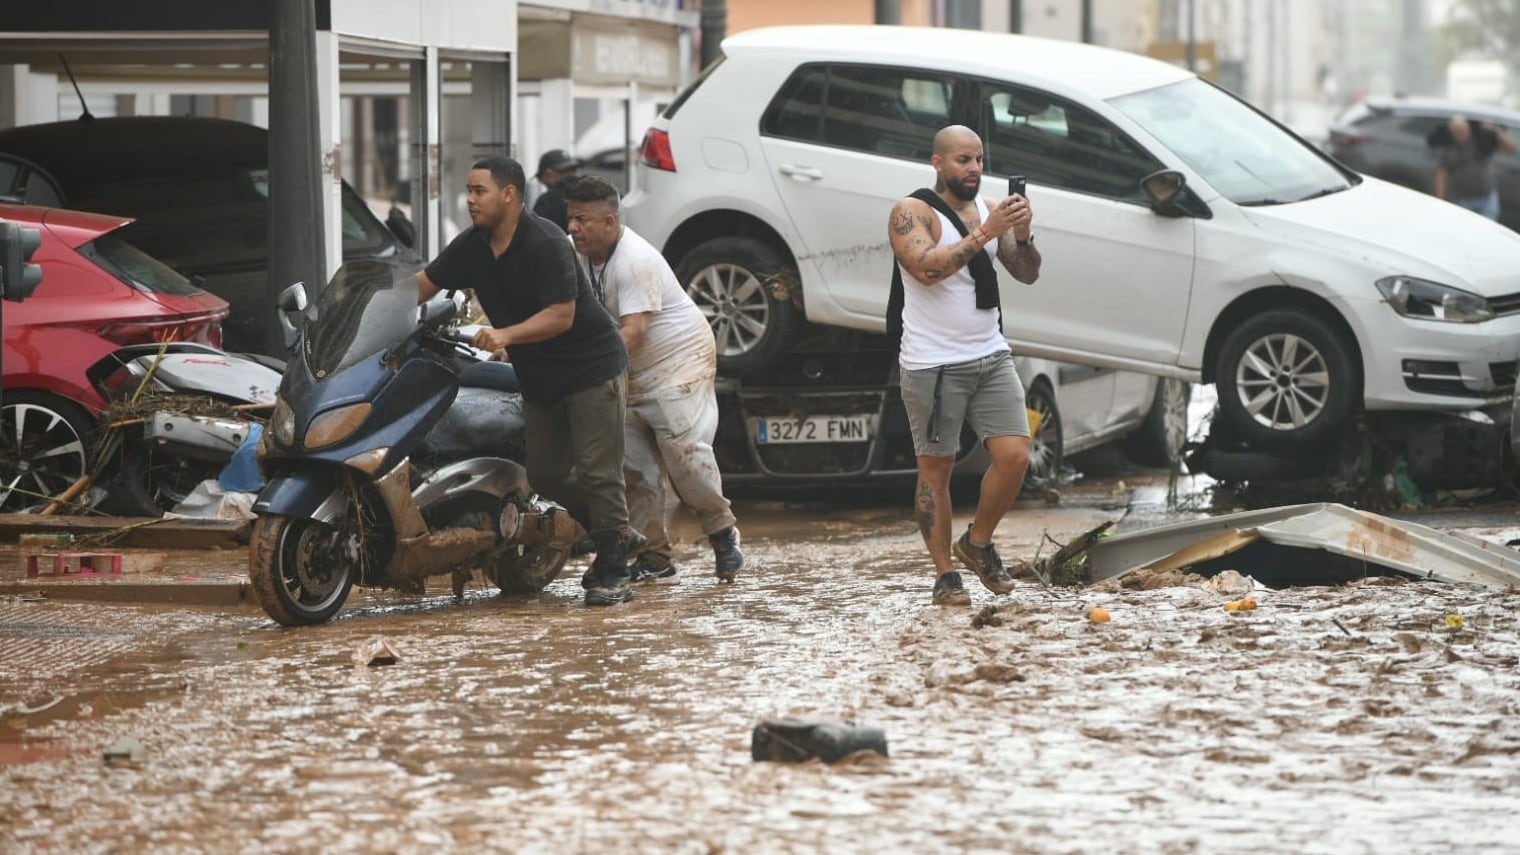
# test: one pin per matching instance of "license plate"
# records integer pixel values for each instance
(812, 429)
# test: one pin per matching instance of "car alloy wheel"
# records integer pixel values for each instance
(746, 289)
(1286, 377)
(44, 449)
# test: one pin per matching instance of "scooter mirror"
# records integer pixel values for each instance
(293, 298)
(292, 302)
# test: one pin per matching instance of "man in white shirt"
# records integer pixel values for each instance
(672, 411)
(955, 365)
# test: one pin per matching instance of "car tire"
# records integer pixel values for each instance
(1161, 436)
(1046, 451)
(43, 455)
(1286, 378)
(748, 291)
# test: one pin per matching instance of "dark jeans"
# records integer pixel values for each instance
(575, 454)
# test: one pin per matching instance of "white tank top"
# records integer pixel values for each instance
(941, 323)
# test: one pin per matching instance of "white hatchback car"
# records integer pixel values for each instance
(1185, 234)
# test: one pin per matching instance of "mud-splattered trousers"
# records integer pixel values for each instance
(575, 452)
(671, 433)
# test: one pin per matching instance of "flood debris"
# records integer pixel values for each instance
(1311, 544)
(1068, 566)
(797, 740)
(126, 750)
(375, 652)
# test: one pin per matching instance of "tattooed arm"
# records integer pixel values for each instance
(1022, 261)
(915, 234)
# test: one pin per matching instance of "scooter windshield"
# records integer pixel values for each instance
(368, 306)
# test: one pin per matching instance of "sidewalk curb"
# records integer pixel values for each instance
(164, 534)
(229, 592)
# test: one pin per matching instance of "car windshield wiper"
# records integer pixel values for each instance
(1254, 203)
(1325, 192)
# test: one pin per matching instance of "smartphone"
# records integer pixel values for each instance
(1016, 186)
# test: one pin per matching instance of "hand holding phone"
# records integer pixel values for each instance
(1017, 186)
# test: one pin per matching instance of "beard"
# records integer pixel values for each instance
(965, 189)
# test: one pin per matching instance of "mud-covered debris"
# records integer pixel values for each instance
(993, 672)
(987, 616)
(125, 750)
(1316, 544)
(376, 651)
(796, 740)
(1068, 566)
(1152, 579)
(1230, 583)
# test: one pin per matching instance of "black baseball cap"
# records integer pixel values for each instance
(558, 160)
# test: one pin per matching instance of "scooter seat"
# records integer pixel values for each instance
(500, 376)
(480, 423)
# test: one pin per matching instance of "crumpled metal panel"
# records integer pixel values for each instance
(1409, 548)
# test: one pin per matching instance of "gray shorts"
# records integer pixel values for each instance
(984, 391)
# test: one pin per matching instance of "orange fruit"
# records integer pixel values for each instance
(1098, 614)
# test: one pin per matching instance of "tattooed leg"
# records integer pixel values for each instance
(932, 509)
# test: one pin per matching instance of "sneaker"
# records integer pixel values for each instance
(949, 591)
(606, 589)
(646, 572)
(728, 557)
(985, 563)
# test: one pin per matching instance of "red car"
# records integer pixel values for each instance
(98, 293)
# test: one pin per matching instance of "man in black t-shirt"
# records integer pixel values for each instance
(569, 357)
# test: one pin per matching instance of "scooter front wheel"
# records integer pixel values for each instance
(300, 570)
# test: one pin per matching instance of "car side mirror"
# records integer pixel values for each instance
(1165, 190)
(291, 302)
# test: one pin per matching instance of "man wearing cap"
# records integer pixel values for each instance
(553, 168)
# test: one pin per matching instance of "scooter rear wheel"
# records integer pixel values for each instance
(300, 570)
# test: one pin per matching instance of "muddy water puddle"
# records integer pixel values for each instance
(1345, 719)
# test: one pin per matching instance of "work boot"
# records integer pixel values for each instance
(633, 546)
(606, 583)
(985, 563)
(729, 557)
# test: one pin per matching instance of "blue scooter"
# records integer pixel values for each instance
(393, 454)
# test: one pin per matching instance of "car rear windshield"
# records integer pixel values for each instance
(135, 267)
(1238, 151)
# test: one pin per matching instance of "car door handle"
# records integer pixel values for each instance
(801, 173)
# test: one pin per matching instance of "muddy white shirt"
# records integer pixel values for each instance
(678, 346)
(941, 323)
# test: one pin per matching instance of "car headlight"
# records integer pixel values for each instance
(282, 424)
(1418, 298)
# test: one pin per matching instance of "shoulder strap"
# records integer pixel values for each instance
(933, 200)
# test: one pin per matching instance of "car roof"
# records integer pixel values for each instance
(89, 151)
(1440, 106)
(34, 214)
(1096, 71)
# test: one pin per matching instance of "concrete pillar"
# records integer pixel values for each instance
(27, 97)
(556, 119)
(15, 95)
(490, 109)
(294, 163)
(329, 142)
(426, 154)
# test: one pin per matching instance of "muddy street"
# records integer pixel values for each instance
(1377, 717)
